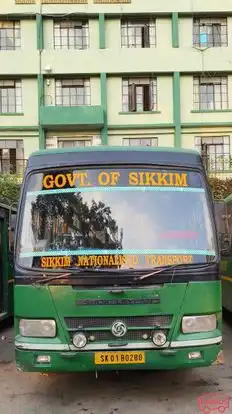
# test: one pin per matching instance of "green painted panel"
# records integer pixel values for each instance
(175, 29)
(199, 111)
(226, 269)
(141, 126)
(19, 128)
(40, 33)
(201, 298)
(11, 114)
(176, 109)
(40, 81)
(74, 115)
(24, 306)
(166, 305)
(4, 263)
(65, 299)
(104, 132)
(175, 299)
(25, 297)
(206, 124)
(102, 37)
(84, 361)
(60, 301)
(41, 138)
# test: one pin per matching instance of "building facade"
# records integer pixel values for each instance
(115, 72)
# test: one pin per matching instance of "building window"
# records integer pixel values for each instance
(10, 96)
(210, 93)
(215, 152)
(138, 33)
(72, 92)
(139, 95)
(12, 156)
(137, 142)
(10, 35)
(68, 143)
(71, 34)
(210, 32)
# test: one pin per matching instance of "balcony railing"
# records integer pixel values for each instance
(218, 166)
(12, 167)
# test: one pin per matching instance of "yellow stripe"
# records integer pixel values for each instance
(229, 278)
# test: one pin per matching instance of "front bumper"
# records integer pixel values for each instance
(165, 359)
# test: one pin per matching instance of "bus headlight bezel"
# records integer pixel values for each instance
(79, 340)
(199, 323)
(37, 328)
(159, 338)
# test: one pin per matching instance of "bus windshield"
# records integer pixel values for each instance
(123, 218)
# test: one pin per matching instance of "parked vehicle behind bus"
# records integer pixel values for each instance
(7, 217)
(223, 214)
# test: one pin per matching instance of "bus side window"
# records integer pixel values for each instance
(228, 217)
(12, 223)
(225, 243)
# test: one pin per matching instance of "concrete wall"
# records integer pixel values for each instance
(136, 6)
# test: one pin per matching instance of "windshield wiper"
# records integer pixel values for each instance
(180, 265)
(47, 279)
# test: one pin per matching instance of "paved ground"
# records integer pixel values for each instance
(128, 393)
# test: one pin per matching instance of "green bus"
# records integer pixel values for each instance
(7, 218)
(223, 214)
(116, 262)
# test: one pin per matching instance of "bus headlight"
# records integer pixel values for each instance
(79, 340)
(159, 338)
(201, 323)
(45, 328)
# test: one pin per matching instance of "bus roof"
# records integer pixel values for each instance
(119, 155)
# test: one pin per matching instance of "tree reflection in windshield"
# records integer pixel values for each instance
(66, 222)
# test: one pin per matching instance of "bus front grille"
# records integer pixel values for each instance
(107, 336)
(99, 329)
(146, 322)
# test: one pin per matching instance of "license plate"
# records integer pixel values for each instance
(107, 358)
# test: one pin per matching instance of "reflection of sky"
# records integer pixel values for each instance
(131, 213)
(143, 216)
(27, 233)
